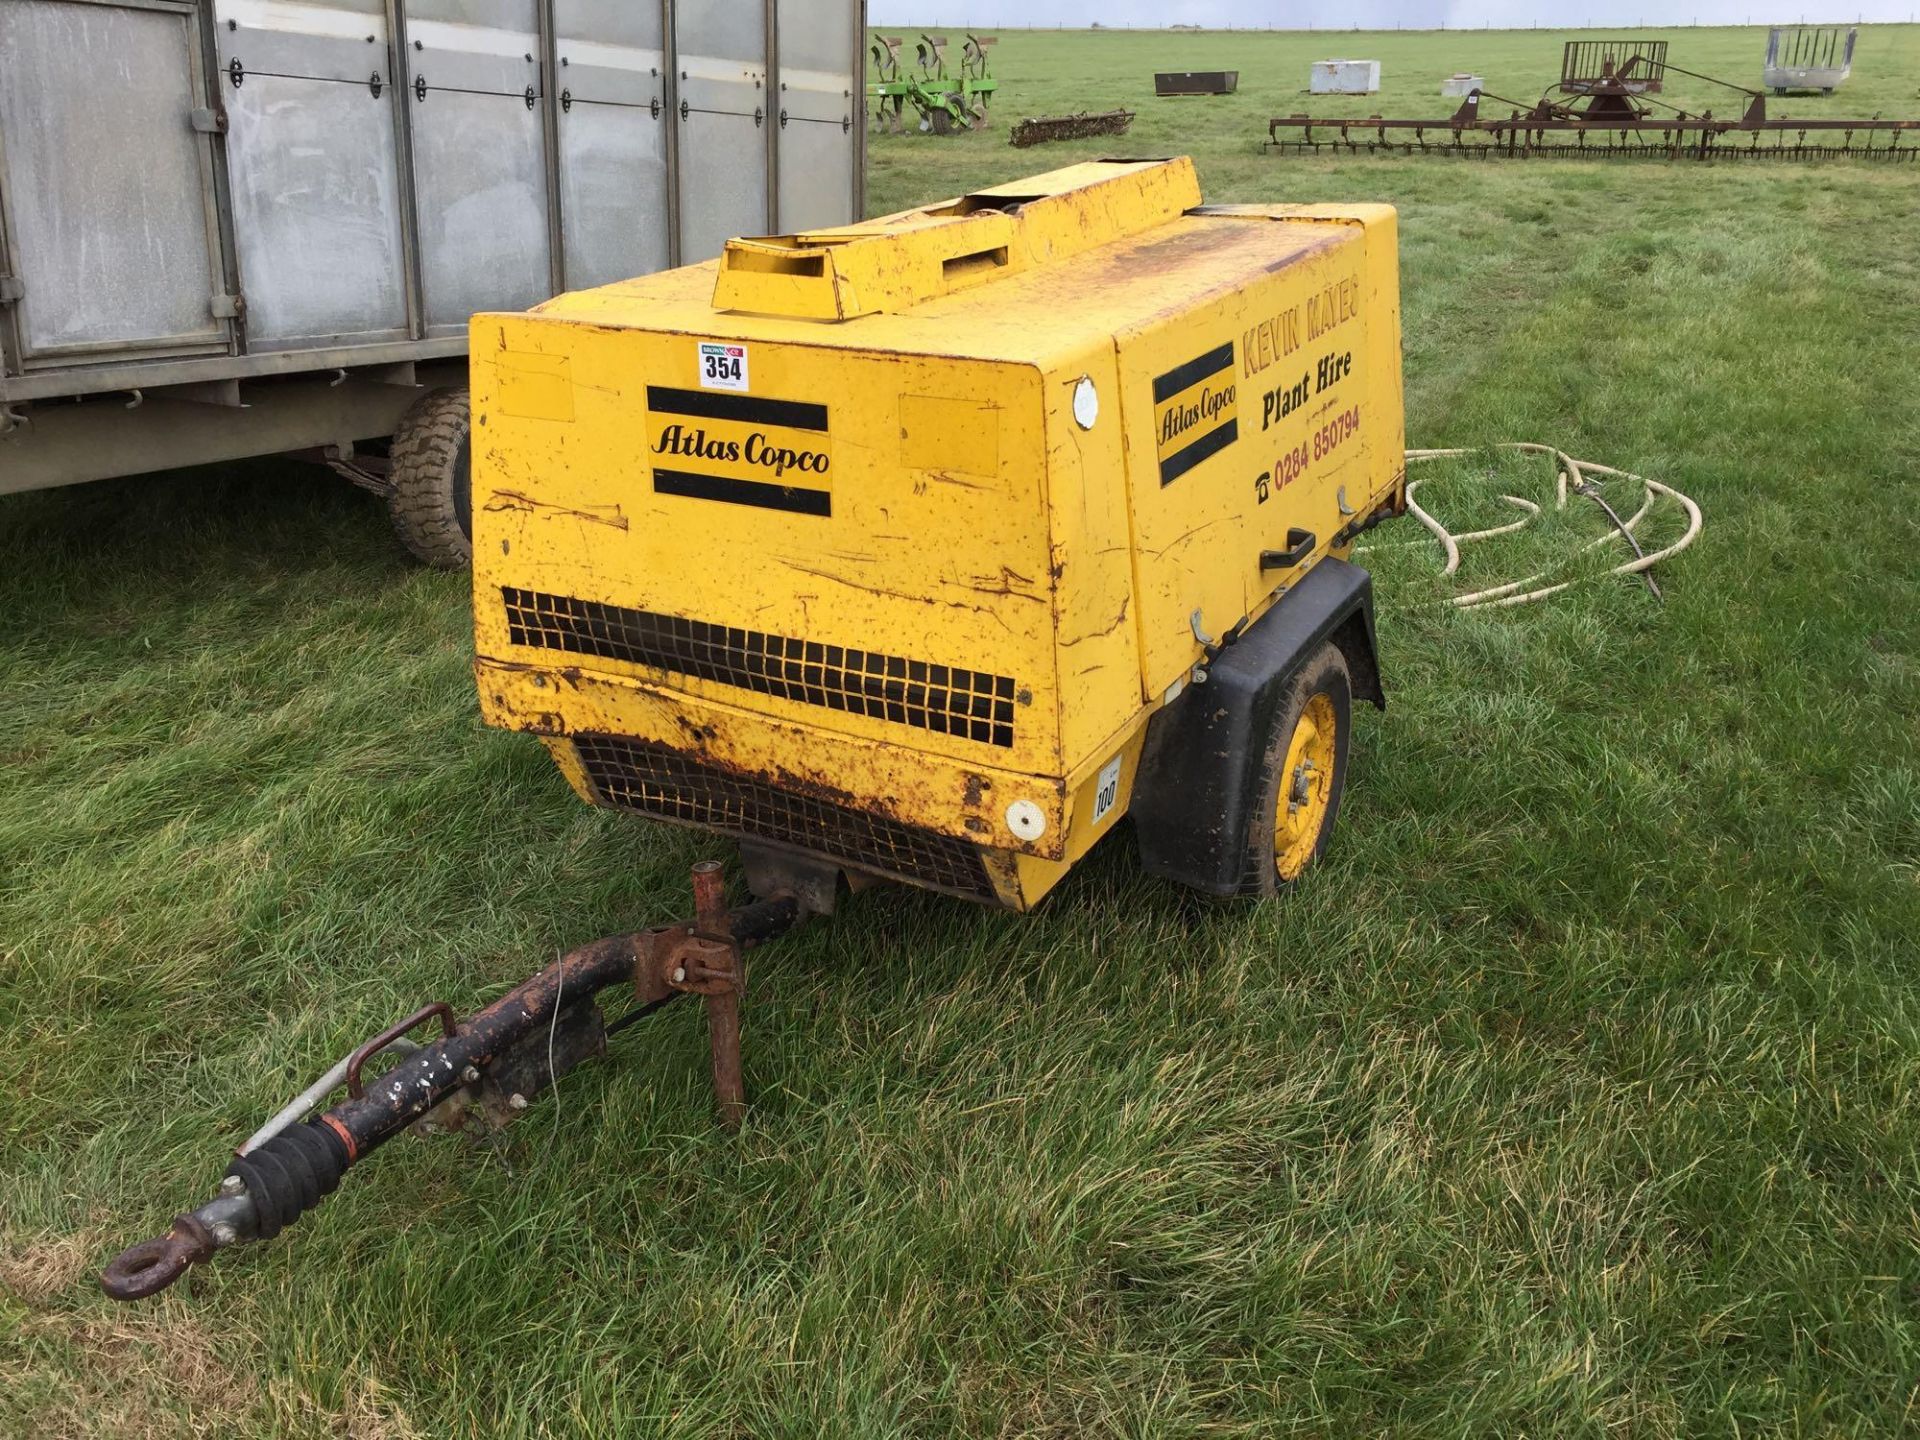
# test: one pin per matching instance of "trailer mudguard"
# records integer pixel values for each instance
(1202, 751)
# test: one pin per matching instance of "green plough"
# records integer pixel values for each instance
(943, 100)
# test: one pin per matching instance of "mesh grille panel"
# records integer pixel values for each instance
(662, 783)
(943, 698)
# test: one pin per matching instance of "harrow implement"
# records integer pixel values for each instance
(1038, 130)
(1616, 121)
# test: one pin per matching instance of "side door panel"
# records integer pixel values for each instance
(110, 224)
(819, 114)
(721, 64)
(479, 157)
(613, 132)
(310, 94)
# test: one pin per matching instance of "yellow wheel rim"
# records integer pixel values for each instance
(1306, 785)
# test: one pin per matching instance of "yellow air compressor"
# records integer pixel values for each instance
(924, 549)
(921, 550)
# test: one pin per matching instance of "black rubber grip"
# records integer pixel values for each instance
(290, 1174)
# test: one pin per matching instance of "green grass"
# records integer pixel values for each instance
(1576, 1093)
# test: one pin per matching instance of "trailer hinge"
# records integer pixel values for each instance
(229, 307)
(12, 288)
(207, 120)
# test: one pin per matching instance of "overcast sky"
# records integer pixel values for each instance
(1379, 14)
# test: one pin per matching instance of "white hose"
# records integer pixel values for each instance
(1568, 473)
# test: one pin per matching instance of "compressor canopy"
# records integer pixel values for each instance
(880, 547)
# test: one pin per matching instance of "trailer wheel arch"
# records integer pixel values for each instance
(1202, 771)
(432, 477)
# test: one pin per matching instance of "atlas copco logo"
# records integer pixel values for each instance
(740, 449)
(1200, 411)
(756, 450)
(1195, 411)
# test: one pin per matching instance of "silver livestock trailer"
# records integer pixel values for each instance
(247, 227)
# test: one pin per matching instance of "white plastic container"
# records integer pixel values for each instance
(1344, 77)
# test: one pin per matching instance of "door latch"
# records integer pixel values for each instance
(1300, 545)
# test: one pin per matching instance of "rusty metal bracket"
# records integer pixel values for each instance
(392, 1033)
(703, 958)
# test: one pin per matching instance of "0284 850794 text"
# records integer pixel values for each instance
(1294, 463)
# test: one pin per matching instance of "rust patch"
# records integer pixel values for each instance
(1111, 626)
(986, 610)
(540, 673)
(946, 478)
(700, 735)
(1007, 582)
(608, 515)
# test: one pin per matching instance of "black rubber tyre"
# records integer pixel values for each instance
(432, 472)
(1323, 685)
(940, 121)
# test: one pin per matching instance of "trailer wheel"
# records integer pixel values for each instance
(1302, 773)
(940, 120)
(432, 474)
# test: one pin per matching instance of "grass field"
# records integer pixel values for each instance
(1576, 1093)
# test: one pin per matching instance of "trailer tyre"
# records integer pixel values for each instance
(432, 474)
(1301, 774)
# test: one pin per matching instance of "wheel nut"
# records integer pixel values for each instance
(471, 1075)
(233, 1185)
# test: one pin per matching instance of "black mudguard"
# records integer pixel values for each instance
(1202, 751)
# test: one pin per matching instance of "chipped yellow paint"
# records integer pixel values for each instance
(853, 449)
(947, 797)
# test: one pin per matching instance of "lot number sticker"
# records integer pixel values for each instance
(723, 367)
(1106, 789)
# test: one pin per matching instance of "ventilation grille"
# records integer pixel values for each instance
(969, 703)
(662, 783)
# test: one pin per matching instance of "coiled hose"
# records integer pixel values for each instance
(1569, 474)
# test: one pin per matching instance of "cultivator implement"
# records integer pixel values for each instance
(944, 101)
(1046, 128)
(1614, 121)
